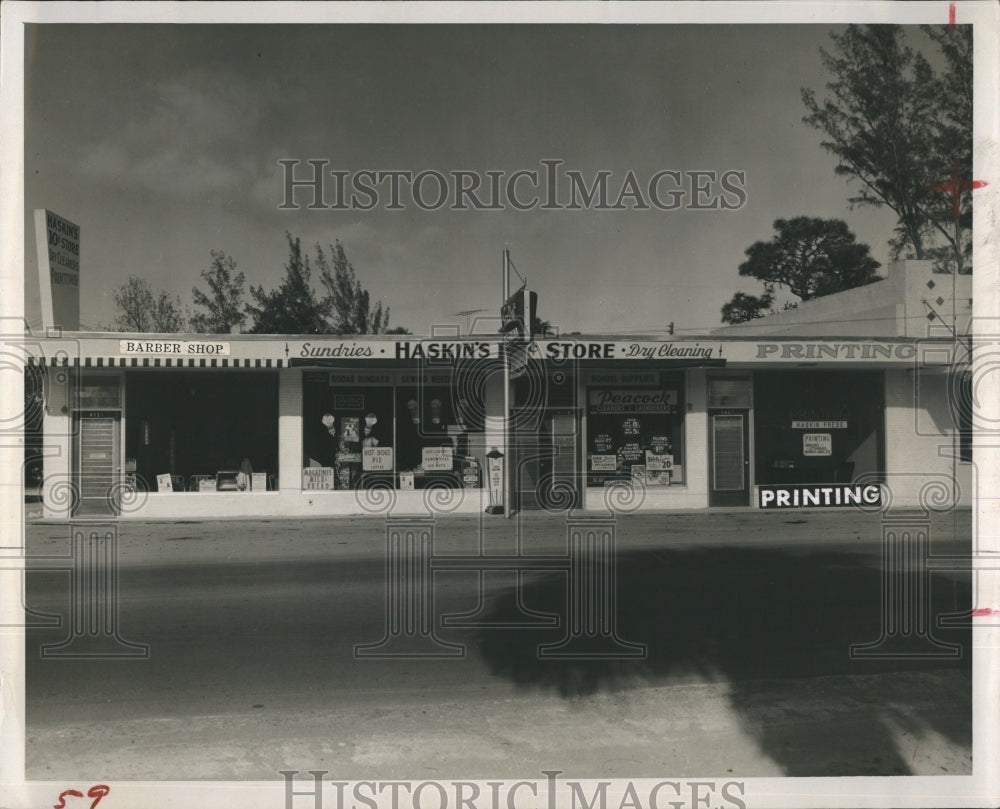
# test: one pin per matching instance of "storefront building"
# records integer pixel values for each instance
(196, 426)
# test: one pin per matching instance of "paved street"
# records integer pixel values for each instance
(746, 619)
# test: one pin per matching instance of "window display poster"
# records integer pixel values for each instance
(436, 459)
(638, 426)
(164, 483)
(258, 481)
(349, 401)
(639, 474)
(376, 459)
(317, 478)
(348, 472)
(658, 461)
(817, 444)
(406, 481)
(660, 444)
(603, 443)
(630, 453)
(603, 463)
(348, 465)
(349, 429)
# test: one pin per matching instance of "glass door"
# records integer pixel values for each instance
(98, 463)
(729, 472)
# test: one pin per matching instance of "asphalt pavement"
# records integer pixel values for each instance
(726, 650)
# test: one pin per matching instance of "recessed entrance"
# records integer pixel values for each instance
(98, 463)
(730, 460)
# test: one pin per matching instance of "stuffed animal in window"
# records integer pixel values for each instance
(370, 439)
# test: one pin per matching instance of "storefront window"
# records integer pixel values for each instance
(818, 427)
(99, 393)
(399, 429)
(635, 432)
(725, 394)
(348, 430)
(202, 431)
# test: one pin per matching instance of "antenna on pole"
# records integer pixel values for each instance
(466, 313)
(506, 275)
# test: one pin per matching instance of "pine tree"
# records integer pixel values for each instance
(223, 302)
(293, 307)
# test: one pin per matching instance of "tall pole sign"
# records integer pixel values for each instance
(58, 245)
(517, 317)
(517, 320)
(503, 468)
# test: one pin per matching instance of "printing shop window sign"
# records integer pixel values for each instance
(635, 435)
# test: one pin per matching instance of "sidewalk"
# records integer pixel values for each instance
(193, 541)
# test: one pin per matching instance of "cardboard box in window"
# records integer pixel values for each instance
(226, 481)
(258, 482)
(657, 477)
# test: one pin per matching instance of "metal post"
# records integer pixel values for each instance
(956, 445)
(508, 443)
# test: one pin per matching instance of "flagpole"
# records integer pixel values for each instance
(506, 396)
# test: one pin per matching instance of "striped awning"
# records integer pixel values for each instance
(61, 359)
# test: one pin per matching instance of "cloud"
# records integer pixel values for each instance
(198, 137)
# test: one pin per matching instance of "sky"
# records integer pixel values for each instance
(162, 142)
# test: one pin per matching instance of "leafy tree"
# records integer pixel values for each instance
(223, 303)
(743, 307)
(897, 129)
(540, 328)
(953, 90)
(397, 330)
(350, 303)
(139, 308)
(811, 257)
(293, 307)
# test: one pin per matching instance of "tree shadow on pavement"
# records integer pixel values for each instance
(776, 625)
